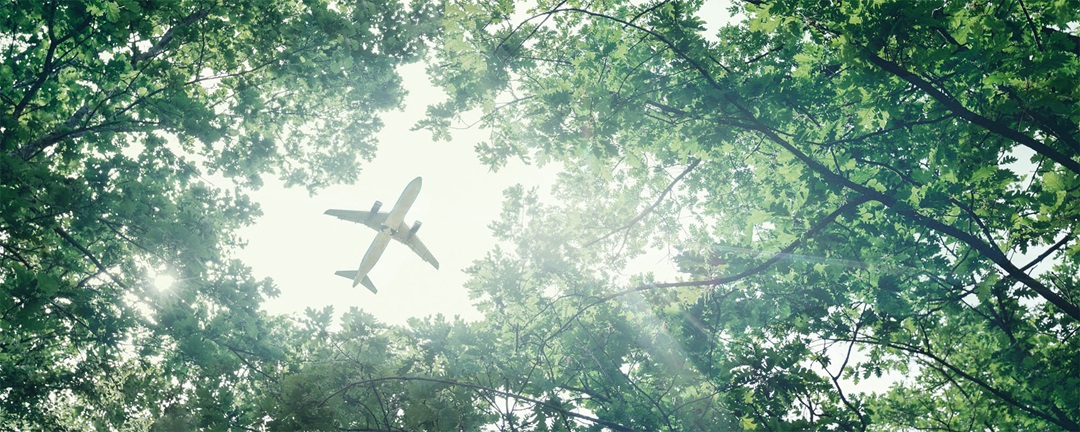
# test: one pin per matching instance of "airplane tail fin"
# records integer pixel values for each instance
(351, 274)
(366, 282)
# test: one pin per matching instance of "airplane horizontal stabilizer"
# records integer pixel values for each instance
(351, 275)
(373, 220)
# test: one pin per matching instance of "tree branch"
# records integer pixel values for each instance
(824, 222)
(987, 250)
(1065, 423)
(90, 256)
(1031, 24)
(166, 38)
(47, 68)
(863, 419)
(961, 111)
(693, 164)
(1064, 241)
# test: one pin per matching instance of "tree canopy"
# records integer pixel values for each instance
(851, 192)
(129, 132)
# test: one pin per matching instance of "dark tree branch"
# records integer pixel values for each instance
(1031, 24)
(90, 256)
(961, 111)
(74, 318)
(674, 49)
(1065, 131)
(47, 66)
(1064, 422)
(1071, 38)
(27, 151)
(237, 352)
(1064, 241)
(886, 131)
(525, 39)
(987, 250)
(34, 148)
(166, 38)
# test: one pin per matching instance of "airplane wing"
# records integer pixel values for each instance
(351, 274)
(373, 220)
(414, 243)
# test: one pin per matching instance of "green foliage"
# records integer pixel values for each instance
(129, 133)
(850, 191)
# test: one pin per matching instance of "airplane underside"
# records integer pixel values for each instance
(390, 226)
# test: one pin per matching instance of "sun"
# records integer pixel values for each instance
(163, 282)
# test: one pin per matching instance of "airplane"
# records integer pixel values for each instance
(390, 226)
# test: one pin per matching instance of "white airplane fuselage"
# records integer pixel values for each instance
(387, 231)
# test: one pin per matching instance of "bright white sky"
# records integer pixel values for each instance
(300, 248)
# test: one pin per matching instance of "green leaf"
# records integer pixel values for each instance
(1053, 181)
(747, 423)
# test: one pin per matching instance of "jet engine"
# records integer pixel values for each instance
(375, 207)
(415, 228)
